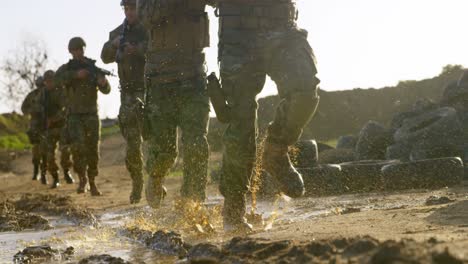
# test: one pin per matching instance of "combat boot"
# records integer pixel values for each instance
(276, 161)
(56, 182)
(234, 220)
(83, 184)
(155, 191)
(137, 188)
(68, 177)
(93, 187)
(35, 172)
(44, 178)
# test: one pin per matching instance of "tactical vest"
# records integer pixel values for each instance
(257, 15)
(185, 28)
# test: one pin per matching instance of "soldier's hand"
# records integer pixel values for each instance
(82, 74)
(116, 42)
(102, 81)
(130, 49)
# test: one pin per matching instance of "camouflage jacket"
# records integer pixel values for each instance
(81, 95)
(132, 66)
(52, 104)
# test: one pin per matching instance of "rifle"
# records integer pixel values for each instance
(90, 66)
(123, 40)
(218, 99)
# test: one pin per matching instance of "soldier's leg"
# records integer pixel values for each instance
(53, 139)
(65, 157)
(130, 126)
(36, 161)
(77, 133)
(162, 144)
(241, 82)
(92, 138)
(194, 118)
(293, 68)
(43, 160)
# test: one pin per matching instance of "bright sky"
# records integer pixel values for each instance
(358, 43)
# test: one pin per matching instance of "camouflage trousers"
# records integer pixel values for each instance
(49, 143)
(246, 59)
(84, 131)
(131, 125)
(38, 157)
(185, 105)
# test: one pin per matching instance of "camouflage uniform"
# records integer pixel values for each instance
(176, 92)
(31, 106)
(53, 106)
(132, 94)
(259, 38)
(83, 124)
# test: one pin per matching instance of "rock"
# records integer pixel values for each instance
(323, 180)
(373, 142)
(363, 176)
(42, 254)
(347, 142)
(168, 243)
(103, 259)
(437, 200)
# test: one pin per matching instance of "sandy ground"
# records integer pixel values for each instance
(383, 216)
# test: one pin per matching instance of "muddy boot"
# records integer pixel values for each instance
(155, 191)
(93, 187)
(276, 162)
(68, 177)
(234, 216)
(35, 172)
(44, 178)
(56, 182)
(137, 188)
(83, 184)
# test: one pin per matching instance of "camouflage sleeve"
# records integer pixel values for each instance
(26, 105)
(152, 11)
(108, 51)
(63, 76)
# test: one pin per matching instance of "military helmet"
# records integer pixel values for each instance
(128, 3)
(48, 75)
(39, 81)
(76, 43)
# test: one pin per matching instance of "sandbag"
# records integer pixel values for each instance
(363, 176)
(423, 174)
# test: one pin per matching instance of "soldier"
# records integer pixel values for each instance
(259, 38)
(32, 107)
(176, 93)
(126, 46)
(82, 81)
(53, 106)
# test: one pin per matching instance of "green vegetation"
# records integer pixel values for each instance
(15, 142)
(110, 131)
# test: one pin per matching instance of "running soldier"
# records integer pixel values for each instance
(126, 46)
(82, 80)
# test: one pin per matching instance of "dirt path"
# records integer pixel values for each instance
(385, 216)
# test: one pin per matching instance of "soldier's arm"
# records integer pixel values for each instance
(26, 105)
(103, 85)
(64, 76)
(109, 51)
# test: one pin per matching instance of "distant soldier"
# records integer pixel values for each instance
(82, 80)
(177, 97)
(259, 38)
(126, 46)
(32, 108)
(53, 107)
